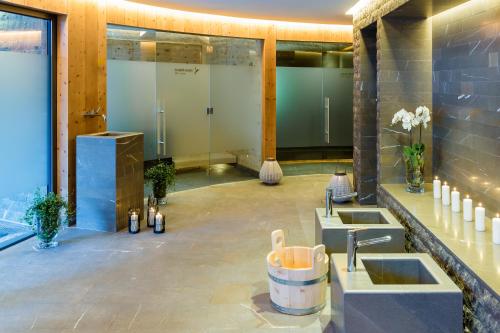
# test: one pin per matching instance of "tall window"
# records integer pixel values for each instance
(25, 110)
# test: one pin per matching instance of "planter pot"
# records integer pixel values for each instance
(160, 193)
(270, 173)
(415, 174)
(46, 232)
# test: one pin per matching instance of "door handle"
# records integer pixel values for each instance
(326, 111)
(160, 131)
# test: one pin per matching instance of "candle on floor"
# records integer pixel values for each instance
(455, 200)
(436, 186)
(479, 217)
(159, 227)
(467, 207)
(496, 229)
(151, 217)
(445, 194)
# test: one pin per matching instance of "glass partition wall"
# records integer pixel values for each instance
(314, 87)
(25, 113)
(196, 98)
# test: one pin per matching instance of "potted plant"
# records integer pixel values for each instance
(162, 178)
(413, 154)
(47, 214)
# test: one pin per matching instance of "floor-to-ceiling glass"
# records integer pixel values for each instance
(196, 98)
(25, 114)
(314, 85)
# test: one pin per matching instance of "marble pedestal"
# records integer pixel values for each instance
(109, 179)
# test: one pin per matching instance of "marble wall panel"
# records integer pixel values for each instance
(466, 99)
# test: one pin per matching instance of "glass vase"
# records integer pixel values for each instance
(47, 230)
(415, 174)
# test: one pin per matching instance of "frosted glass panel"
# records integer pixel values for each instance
(299, 109)
(183, 92)
(132, 100)
(236, 122)
(338, 86)
(25, 112)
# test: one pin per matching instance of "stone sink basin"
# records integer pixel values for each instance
(401, 292)
(332, 231)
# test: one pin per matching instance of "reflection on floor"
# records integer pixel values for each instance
(13, 233)
(226, 173)
(207, 273)
(295, 168)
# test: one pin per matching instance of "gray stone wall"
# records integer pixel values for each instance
(365, 115)
(466, 52)
(404, 55)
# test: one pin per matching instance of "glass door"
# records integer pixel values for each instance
(131, 85)
(25, 111)
(183, 89)
(235, 108)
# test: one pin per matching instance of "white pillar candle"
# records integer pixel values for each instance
(436, 186)
(158, 217)
(445, 194)
(455, 200)
(479, 217)
(467, 207)
(151, 216)
(496, 229)
(134, 221)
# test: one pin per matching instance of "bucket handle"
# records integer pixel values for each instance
(318, 255)
(278, 240)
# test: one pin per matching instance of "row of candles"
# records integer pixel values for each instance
(443, 192)
(154, 219)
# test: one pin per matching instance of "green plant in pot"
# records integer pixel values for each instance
(162, 178)
(46, 214)
(413, 154)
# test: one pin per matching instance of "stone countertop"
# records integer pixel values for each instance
(475, 249)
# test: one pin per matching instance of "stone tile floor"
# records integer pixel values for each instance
(206, 274)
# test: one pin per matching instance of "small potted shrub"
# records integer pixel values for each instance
(162, 178)
(46, 215)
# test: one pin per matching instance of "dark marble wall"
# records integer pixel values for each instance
(365, 115)
(404, 81)
(466, 99)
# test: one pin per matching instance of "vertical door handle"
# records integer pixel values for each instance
(164, 125)
(326, 110)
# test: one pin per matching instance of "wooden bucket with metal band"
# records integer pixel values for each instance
(297, 277)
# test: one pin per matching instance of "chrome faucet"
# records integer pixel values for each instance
(353, 244)
(329, 201)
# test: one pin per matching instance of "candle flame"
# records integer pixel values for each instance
(480, 204)
(454, 189)
(498, 215)
(467, 196)
(436, 177)
(445, 183)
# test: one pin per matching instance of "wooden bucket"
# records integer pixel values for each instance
(297, 277)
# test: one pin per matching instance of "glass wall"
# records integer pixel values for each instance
(25, 111)
(196, 98)
(314, 100)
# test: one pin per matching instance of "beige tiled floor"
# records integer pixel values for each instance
(206, 274)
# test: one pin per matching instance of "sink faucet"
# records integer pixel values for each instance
(353, 244)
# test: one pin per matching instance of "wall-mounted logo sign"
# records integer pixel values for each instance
(184, 71)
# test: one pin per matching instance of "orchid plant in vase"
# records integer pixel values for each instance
(413, 154)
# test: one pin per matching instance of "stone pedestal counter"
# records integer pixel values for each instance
(109, 179)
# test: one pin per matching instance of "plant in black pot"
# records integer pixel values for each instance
(47, 213)
(162, 178)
